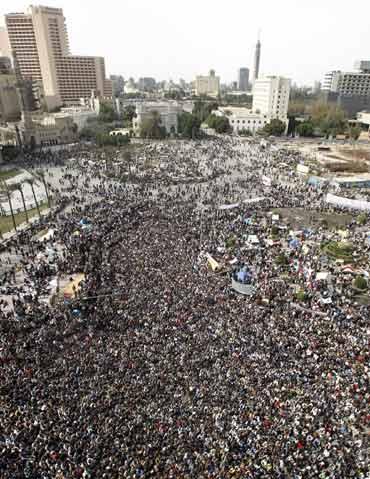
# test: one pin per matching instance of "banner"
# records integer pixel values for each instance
(347, 202)
(241, 288)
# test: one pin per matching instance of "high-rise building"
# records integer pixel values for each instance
(40, 41)
(4, 43)
(207, 85)
(243, 79)
(271, 97)
(257, 59)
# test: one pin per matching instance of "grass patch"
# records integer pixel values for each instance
(6, 222)
(338, 250)
(6, 174)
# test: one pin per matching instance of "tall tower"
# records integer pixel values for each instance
(257, 59)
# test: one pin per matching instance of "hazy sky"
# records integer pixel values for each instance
(301, 39)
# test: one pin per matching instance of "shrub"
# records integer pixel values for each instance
(362, 219)
(282, 260)
(360, 283)
(301, 295)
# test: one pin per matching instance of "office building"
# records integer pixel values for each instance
(271, 97)
(243, 79)
(207, 85)
(257, 60)
(349, 83)
(39, 38)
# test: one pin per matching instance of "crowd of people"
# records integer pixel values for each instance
(156, 367)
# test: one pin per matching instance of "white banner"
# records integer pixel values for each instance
(348, 203)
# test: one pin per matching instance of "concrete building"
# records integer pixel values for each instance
(257, 61)
(271, 97)
(10, 109)
(80, 115)
(243, 118)
(39, 38)
(168, 112)
(4, 43)
(243, 79)
(5, 66)
(207, 85)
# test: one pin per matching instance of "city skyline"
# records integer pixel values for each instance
(301, 42)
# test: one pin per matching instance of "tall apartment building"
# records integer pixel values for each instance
(243, 79)
(40, 40)
(271, 97)
(207, 85)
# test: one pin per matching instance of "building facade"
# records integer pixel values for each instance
(168, 112)
(207, 85)
(243, 119)
(243, 79)
(271, 97)
(40, 41)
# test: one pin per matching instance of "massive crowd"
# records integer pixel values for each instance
(157, 367)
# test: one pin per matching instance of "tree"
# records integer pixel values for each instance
(31, 182)
(151, 127)
(305, 128)
(129, 113)
(360, 283)
(202, 109)
(41, 175)
(18, 187)
(275, 127)
(6, 189)
(188, 125)
(329, 118)
(354, 132)
(107, 113)
(220, 123)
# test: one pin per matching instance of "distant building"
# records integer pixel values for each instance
(10, 109)
(168, 112)
(243, 118)
(118, 85)
(147, 84)
(257, 60)
(5, 66)
(243, 79)
(207, 85)
(39, 38)
(349, 83)
(271, 97)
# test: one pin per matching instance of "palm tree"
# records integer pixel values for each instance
(18, 187)
(41, 174)
(31, 182)
(6, 189)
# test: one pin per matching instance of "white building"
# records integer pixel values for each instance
(167, 111)
(349, 83)
(243, 118)
(207, 85)
(79, 115)
(271, 97)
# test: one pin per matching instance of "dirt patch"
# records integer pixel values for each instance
(299, 218)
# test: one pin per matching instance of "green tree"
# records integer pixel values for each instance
(220, 123)
(329, 118)
(202, 109)
(360, 283)
(107, 113)
(188, 125)
(31, 182)
(151, 127)
(245, 132)
(275, 127)
(354, 132)
(8, 194)
(305, 128)
(18, 187)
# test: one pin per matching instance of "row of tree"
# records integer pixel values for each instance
(8, 189)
